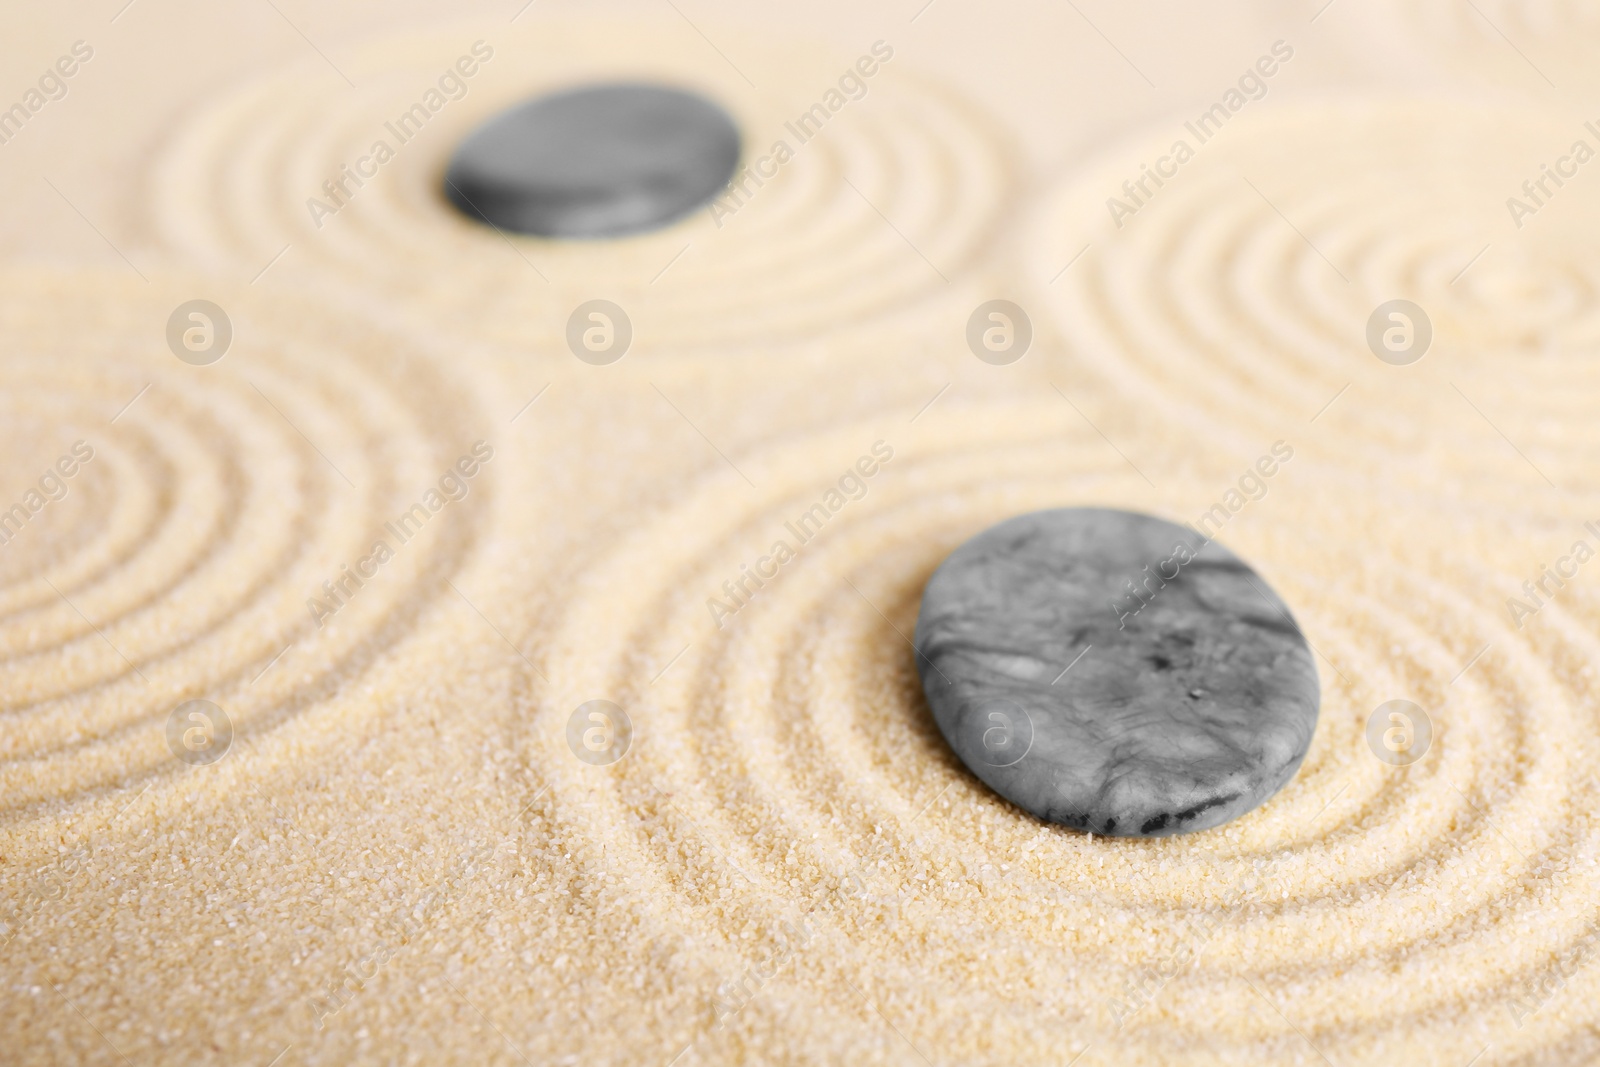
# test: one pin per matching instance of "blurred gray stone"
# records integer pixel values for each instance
(1195, 701)
(601, 161)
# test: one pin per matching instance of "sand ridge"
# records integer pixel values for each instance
(401, 859)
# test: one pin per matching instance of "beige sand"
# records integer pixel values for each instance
(400, 859)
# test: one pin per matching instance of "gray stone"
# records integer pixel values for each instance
(1115, 673)
(600, 161)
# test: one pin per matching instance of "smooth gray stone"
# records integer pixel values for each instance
(1195, 701)
(600, 161)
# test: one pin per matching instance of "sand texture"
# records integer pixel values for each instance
(405, 855)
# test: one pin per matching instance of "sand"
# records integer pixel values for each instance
(400, 860)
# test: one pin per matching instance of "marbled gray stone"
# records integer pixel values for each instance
(1195, 700)
(600, 161)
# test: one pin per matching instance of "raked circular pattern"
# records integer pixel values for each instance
(787, 863)
(218, 504)
(788, 797)
(1232, 298)
(885, 190)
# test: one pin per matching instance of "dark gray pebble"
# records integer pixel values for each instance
(1195, 700)
(600, 161)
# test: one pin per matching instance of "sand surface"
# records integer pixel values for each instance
(401, 860)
